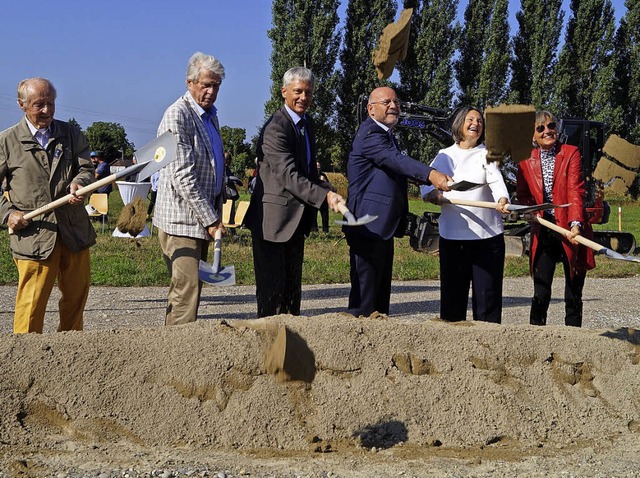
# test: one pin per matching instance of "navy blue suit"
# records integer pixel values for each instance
(378, 174)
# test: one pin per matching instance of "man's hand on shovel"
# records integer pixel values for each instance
(440, 180)
(17, 221)
(334, 200)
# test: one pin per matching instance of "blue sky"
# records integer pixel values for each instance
(125, 61)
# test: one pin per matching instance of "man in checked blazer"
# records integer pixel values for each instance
(286, 197)
(190, 190)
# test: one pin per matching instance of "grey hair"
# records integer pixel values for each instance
(298, 73)
(25, 85)
(541, 117)
(202, 62)
(458, 123)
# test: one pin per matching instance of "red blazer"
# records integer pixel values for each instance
(568, 187)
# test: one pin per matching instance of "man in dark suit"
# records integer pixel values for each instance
(378, 174)
(286, 198)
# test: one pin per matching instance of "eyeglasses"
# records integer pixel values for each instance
(551, 126)
(385, 103)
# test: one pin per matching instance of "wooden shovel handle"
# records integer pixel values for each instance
(581, 239)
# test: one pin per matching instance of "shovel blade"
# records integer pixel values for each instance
(226, 276)
(156, 154)
(611, 254)
(361, 221)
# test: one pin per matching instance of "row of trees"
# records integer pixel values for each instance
(586, 67)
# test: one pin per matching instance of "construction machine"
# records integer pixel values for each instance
(587, 135)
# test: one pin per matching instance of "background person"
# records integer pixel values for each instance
(43, 159)
(324, 207)
(378, 173)
(102, 171)
(471, 238)
(190, 192)
(286, 198)
(231, 188)
(553, 174)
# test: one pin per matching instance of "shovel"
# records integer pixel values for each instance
(151, 158)
(517, 208)
(351, 219)
(599, 248)
(214, 273)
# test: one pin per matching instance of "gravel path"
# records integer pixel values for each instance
(608, 303)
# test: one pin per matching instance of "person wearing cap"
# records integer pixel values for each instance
(102, 171)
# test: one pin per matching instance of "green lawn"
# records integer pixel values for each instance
(128, 262)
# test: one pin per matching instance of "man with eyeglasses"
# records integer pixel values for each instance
(378, 174)
(188, 209)
(553, 174)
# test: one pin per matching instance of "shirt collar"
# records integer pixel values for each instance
(35, 130)
(294, 116)
(383, 126)
(212, 111)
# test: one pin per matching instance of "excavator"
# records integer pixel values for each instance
(587, 135)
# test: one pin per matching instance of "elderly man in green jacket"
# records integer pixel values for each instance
(41, 160)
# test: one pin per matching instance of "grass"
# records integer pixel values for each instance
(122, 262)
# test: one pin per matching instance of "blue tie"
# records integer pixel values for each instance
(216, 146)
(302, 129)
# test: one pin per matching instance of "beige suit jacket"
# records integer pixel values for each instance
(35, 177)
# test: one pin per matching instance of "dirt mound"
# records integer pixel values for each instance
(413, 390)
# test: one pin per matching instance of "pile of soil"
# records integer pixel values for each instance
(364, 397)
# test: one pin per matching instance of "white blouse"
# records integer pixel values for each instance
(469, 222)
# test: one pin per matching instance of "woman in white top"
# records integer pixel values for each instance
(471, 238)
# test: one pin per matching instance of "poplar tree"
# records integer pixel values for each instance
(497, 56)
(627, 74)
(471, 45)
(427, 73)
(305, 33)
(365, 20)
(585, 69)
(535, 48)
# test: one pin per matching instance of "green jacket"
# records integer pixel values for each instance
(35, 177)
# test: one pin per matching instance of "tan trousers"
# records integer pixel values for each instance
(35, 283)
(182, 256)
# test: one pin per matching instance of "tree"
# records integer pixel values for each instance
(111, 139)
(304, 34)
(233, 140)
(365, 20)
(497, 56)
(427, 74)
(477, 16)
(484, 53)
(585, 67)
(626, 95)
(535, 48)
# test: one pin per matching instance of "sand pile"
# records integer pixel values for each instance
(373, 384)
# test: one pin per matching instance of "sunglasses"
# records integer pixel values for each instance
(551, 125)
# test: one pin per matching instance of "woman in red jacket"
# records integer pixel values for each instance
(553, 174)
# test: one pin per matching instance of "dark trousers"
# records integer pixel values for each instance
(548, 254)
(479, 263)
(278, 269)
(324, 215)
(371, 262)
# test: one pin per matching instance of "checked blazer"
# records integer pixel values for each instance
(186, 202)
